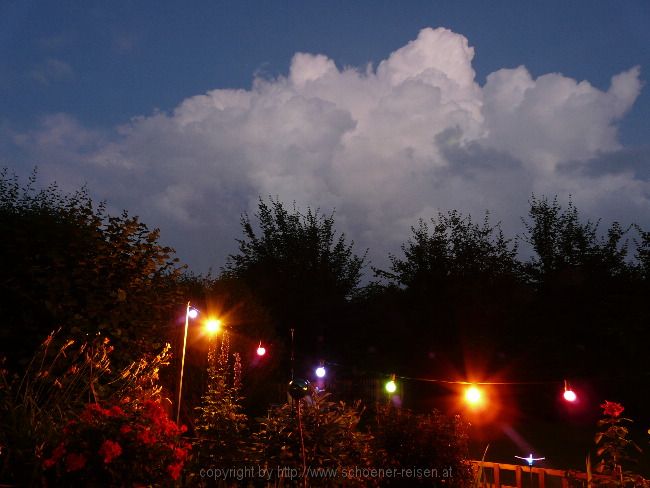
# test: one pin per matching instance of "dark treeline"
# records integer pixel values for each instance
(458, 297)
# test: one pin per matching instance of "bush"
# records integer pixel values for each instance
(116, 446)
(331, 437)
(406, 440)
(615, 448)
(63, 419)
(221, 427)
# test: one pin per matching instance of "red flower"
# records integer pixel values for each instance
(116, 411)
(94, 410)
(180, 454)
(74, 462)
(174, 470)
(125, 429)
(110, 450)
(147, 437)
(57, 454)
(612, 409)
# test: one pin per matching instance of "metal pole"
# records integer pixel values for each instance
(180, 384)
(292, 354)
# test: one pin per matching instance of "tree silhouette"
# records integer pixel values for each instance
(298, 268)
(68, 264)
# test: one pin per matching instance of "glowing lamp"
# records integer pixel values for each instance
(320, 371)
(391, 386)
(473, 396)
(212, 326)
(261, 350)
(569, 395)
(192, 313)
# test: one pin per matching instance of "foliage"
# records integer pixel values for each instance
(118, 446)
(300, 270)
(561, 240)
(453, 248)
(454, 282)
(296, 247)
(613, 448)
(331, 437)
(70, 264)
(55, 385)
(297, 267)
(221, 426)
(432, 440)
(643, 254)
(55, 388)
(241, 310)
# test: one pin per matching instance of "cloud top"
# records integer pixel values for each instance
(383, 146)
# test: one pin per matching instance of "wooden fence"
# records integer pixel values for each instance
(499, 475)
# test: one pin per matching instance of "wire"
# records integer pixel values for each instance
(460, 382)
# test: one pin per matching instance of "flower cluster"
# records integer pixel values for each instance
(612, 409)
(615, 449)
(138, 444)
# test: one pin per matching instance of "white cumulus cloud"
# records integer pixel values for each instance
(382, 145)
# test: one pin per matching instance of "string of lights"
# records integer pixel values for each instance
(473, 392)
(461, 382)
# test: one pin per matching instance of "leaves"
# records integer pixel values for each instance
(330, 433)
(561, 240)
(296, 252)
(406, 439)
(613, 445)
(69, 264)
(454, 246)
(221, 426)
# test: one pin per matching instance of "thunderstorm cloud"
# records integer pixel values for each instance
(382, 145)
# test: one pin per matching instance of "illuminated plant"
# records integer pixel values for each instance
(57, 417)
(221, 427)
(614, 447)
(118, 446)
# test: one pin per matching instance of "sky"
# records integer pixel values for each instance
(186, 113)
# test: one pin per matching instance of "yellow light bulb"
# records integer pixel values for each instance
(212, 326)
(473, 396)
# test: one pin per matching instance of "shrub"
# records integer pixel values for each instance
(118, 446)
(332, 441)
(614, 448)
(406, 440)
(221, 427)
(52, 416)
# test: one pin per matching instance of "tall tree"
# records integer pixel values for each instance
(454, 248)
(451, 286)
(562, 243)
(586, 304)
(296, 265)
(68, 264)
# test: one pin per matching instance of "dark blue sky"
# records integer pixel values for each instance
(109, 94)
(105, 62)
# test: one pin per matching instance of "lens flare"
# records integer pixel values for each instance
(473, 396)
(212, 326)
(570, 396)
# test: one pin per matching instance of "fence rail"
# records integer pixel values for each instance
(492, 475)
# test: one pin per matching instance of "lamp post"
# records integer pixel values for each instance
(189, 312)
(212, 327)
